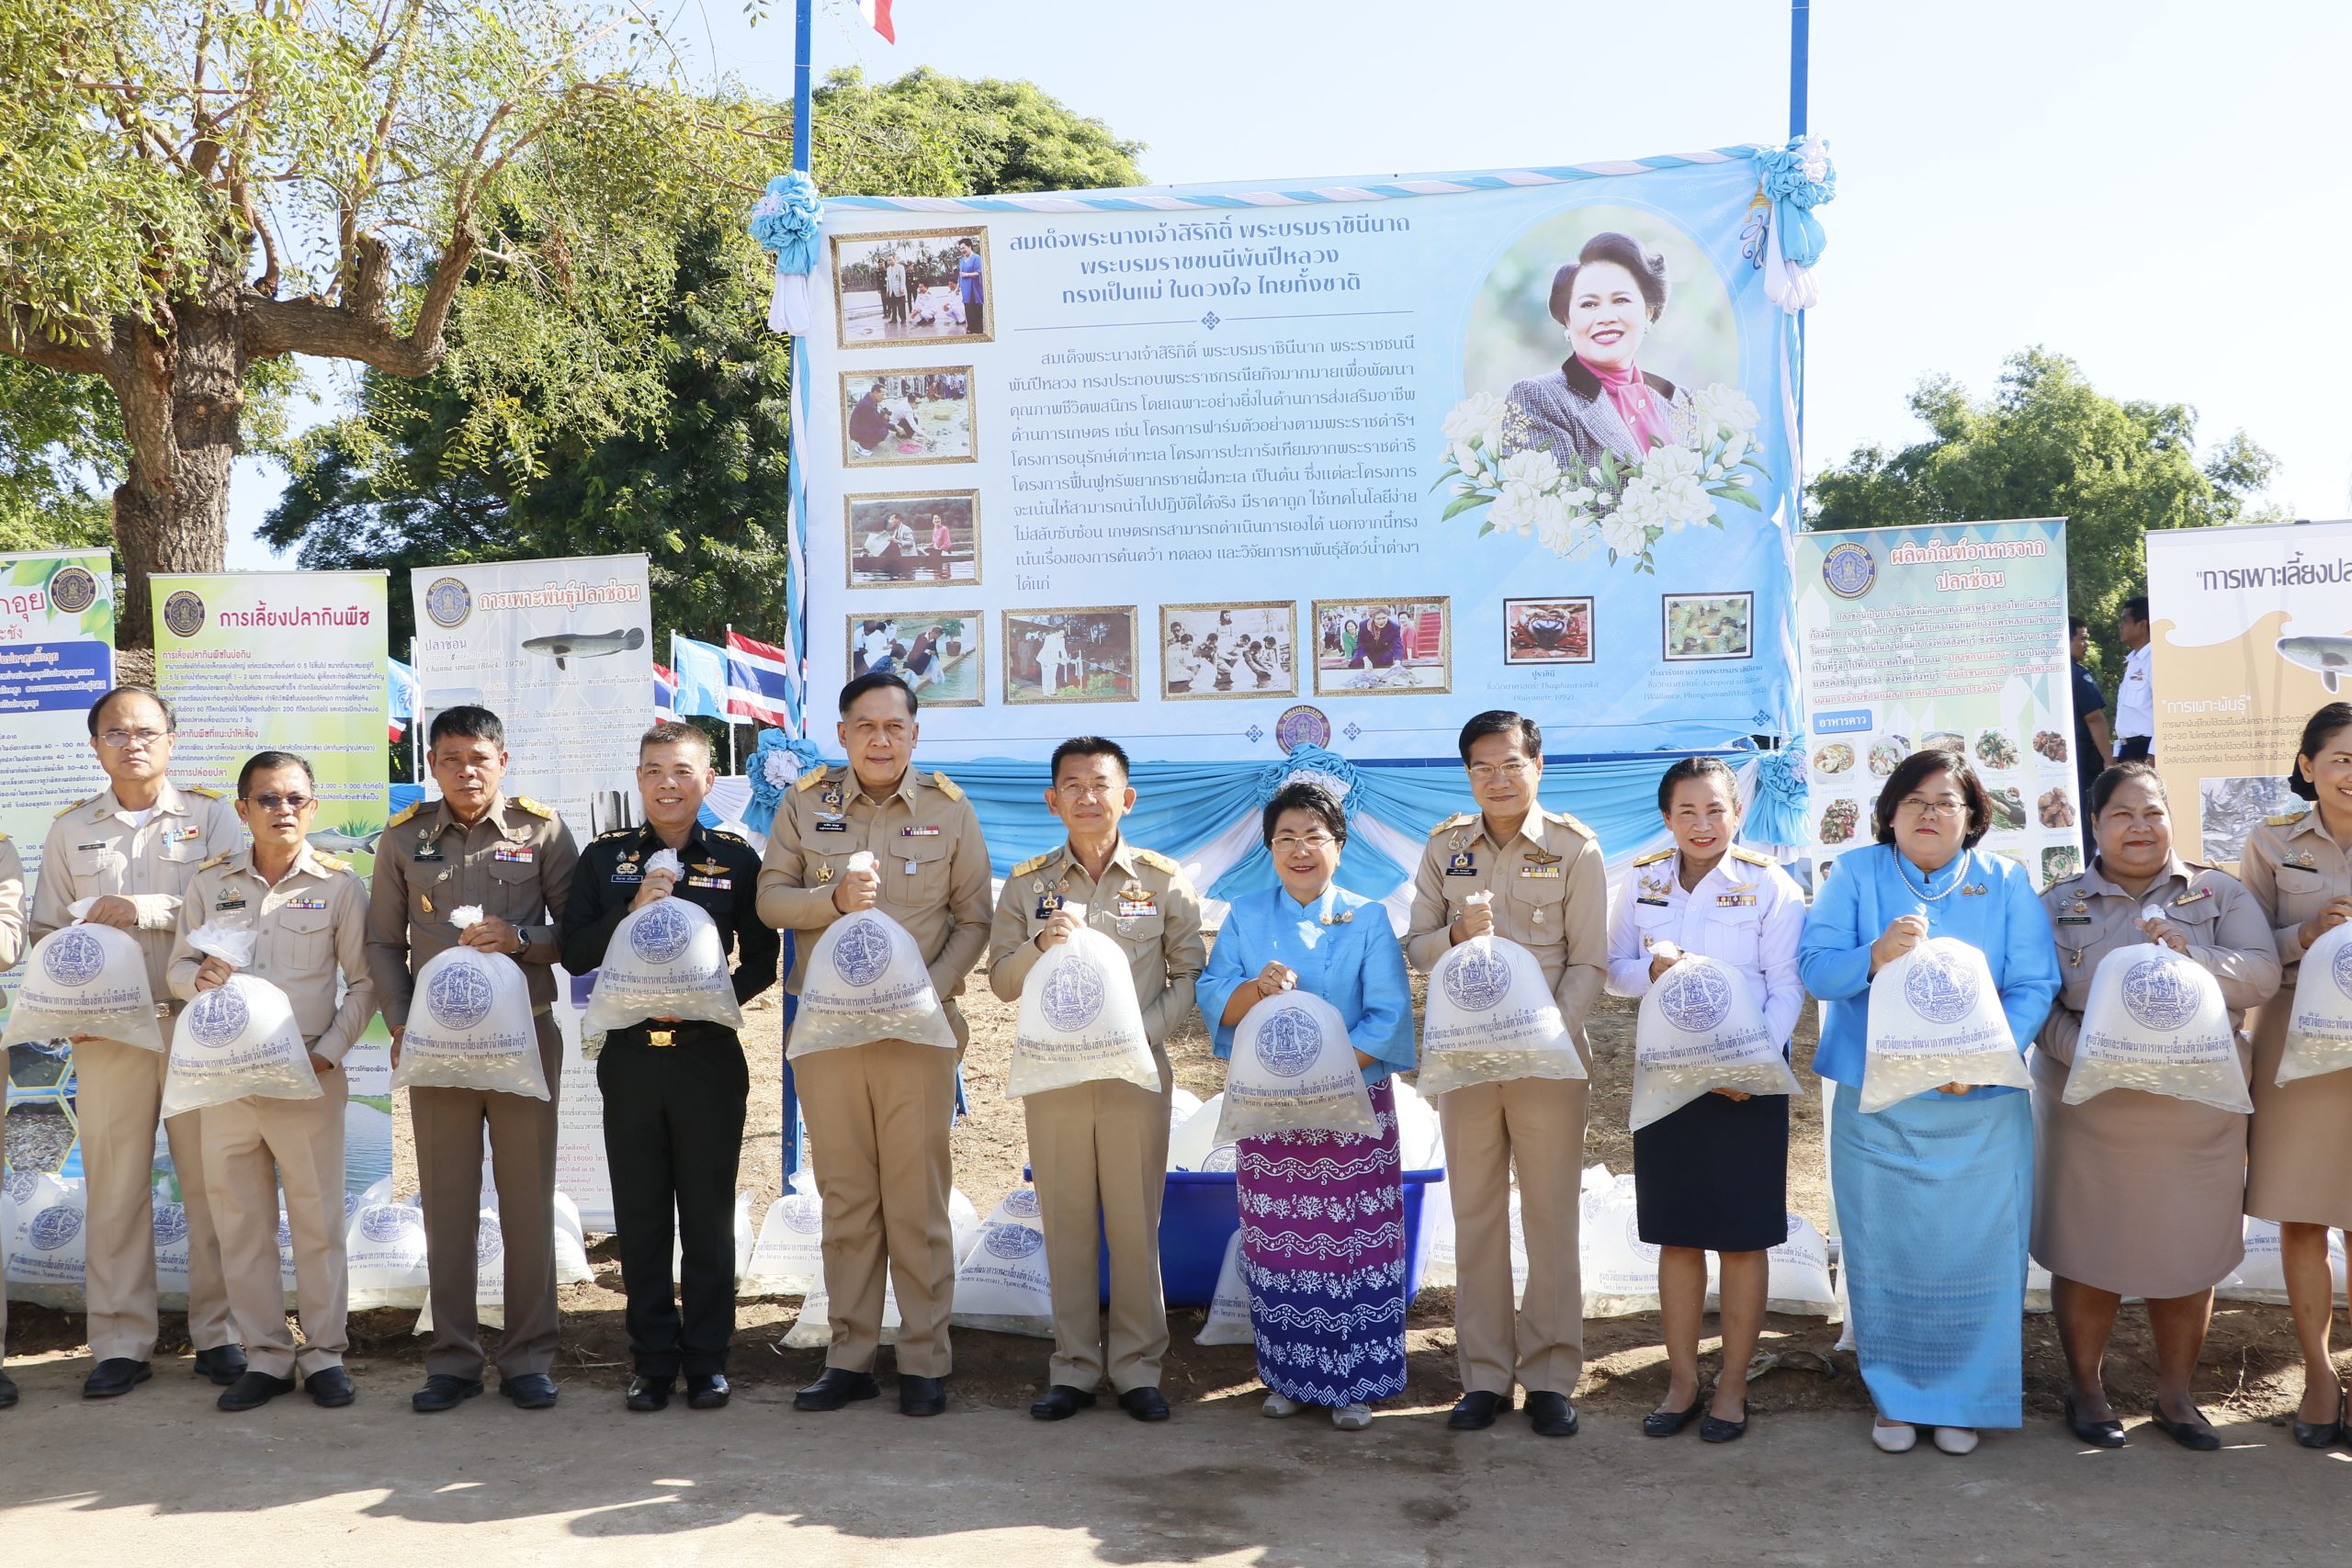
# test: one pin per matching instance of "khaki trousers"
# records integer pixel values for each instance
(1536, 1125)
(118, 1098)
(1099, 1152)
(449, 1124)
(878, 1118)
(251, 1146)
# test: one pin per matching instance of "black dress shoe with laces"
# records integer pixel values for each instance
(1475, 1411)
(1550, 1415)
(444, 1390)
(2323, 1434)
(707, 1390)
(252, 1391)
(1667, 1423)
(837, 1387)
(224, 1364)
(1145, 1403)
(920, 1395)
(649, 1394)
(329, 1387)
(2106, 1434)
(529, 1391)
(114, 1376)
(1061, 1402)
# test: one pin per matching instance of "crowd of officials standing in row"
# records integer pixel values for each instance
(1939, 1197)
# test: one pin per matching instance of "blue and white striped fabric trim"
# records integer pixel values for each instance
(795, 627)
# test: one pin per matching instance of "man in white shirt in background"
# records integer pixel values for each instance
(2135, 699)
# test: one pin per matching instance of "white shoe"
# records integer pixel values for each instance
(1956, 1439)
(1278, 1407)
(1352, 1417)
(1899, 1439)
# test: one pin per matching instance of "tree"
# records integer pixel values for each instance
(60, 450)
(1008, 136)
(2046, 444)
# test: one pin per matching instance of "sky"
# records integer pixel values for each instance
(2145, 187)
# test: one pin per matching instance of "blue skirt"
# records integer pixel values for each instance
(1935, 1200)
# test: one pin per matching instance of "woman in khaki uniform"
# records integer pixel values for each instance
(2139, 1194)
(2299, 868)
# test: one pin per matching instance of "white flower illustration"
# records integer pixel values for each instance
(1534, 467)
(1478, 417)
(1718, 407)
(1624, 534)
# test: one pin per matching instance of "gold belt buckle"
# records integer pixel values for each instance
(660, 1039)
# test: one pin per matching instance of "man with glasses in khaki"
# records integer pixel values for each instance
(133, 848)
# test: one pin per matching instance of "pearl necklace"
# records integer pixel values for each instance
(1903, 868)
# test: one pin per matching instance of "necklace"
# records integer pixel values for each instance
(1903, 868)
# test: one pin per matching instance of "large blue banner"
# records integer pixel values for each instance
(1224, 470)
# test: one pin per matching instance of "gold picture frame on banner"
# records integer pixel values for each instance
(940, 653)
(1407, 650)
(908, 416)
(912, 559)
(1699, 627)
(863, 314)
(1223, 645)
(1086, 654)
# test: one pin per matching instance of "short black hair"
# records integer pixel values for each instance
(2316, 731)
(2103, 787)
(876, 681)
(1649, 268)
(171, 719)
(468, 721)
(1502, 721)
(673, 732)
(2136, 606)
(1917, 769)
(1089, 745)
(1306, 795)
(268, 762)
(1695, 768)
(2076, 624)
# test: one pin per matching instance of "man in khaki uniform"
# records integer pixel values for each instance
(132, 847)
(513, 858)
(309, 912)
(878, 1113)
(1100, 1148)
(1550, 891)
(12, 948)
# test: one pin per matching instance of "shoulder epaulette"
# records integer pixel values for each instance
(205, 790)
(1653, 857)
(68, 810)
(1753, 857)
(812, 778)
(333, 863)
(1565, 820)
(216, 860)
(2284, 819)
(947, 786)
(403, 814)
(1459, 819)
(1034, 862)
(534, 807)
(1159, 862)
(618, 833)
(724, 837)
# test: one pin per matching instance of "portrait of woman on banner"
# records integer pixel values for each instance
(1601, 400)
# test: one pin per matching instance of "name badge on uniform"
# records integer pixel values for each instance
(1734, 900)
(2074, 920)
(1548, 872)
(228, 901)
(514, 854)
(1653, 901)
(304, 904)
(427, 846)
(920, 830)
(832, 825)
(1461, 864)
(628, 872)
(101, 844)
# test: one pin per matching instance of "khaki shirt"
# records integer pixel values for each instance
(516, 863)
(1551, 888)
(928, 850)
(2293, 868)
(311, 922)
(94, 848)
(2229, 936)
(12, 907)
(1145, 903)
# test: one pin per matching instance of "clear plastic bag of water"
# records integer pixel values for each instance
(85, 979)
(469, 1024)
(1490, 1019)
(1080, 1020)
(1293, 1071)
(866, 981)
(1701, 1030)
(665, 961)
(2319, 1023)
(1935, 1018)
(236, 1040)
(2156, 1021)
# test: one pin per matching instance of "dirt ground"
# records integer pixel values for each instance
(2250, 1370)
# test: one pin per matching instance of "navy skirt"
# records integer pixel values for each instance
(1714, 1175)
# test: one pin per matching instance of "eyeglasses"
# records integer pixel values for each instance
(1919, 807)
(281, 802)
(1087, 790)
(1486, 772)
(1290, 844)
(121, 739)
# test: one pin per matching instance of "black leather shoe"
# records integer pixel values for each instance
(707, 1390)
(224, 1364)
(1145, 1403)
(329, 1387)
(837, 1387)
(252, 1391)
(2106, 1433)
(2187, 1433)
(531, 1390)
(1715, 1429)
(1061, 1402)
(1475, 1411)
(8, 1392)
(922, 1396)
(2323, 1434)
(1550, 1415)
(1667, 1423)
(649, 1394)
(444, 1390)
(114, 1376)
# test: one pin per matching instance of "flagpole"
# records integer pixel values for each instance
(727, 649)
(801, 12)
(1800, 74)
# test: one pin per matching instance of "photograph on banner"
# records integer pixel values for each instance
(1070, 656)
(1950, 638)
(2250, 633)
(909, 541)
(1389, 645)
(1228, 650)
(911, 286)
(1510, 410)
(937, 652)
(899, 418)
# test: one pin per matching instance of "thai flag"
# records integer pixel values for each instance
(401, 696)
(666, 692)
(759, 681)
(877, 16)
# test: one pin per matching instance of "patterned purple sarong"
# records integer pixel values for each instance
(1323, 1254)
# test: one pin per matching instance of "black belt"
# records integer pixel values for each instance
(664, 1036)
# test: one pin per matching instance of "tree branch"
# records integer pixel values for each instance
(358, 327)
(81, 349)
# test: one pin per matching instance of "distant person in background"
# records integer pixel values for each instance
(2135, 699)
(2092, 745)
(970, 287)
(868, 425)
(1380, 643)
(943, 544)
(894, 291)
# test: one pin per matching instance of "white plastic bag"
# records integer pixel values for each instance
(1420, 1136)
(1796, 1274)
(384, 1249)
(1002, 1284)
(236, 1040)
(1699, 1030)
(1228, 1321)
(1935, 1018)
(1618, 1269)
(1182, 1103)
(85, 979)
(1194, 1144)
(1293, 1071)
(866, 981)
(666, 961)
(1080, 1020)
(788, 1258)
(2156, 1021)
(46, 1251)
(2319, 1026)
(470, 1024)
(814, 1328)
(2262, 1276)
(170, 1227)
(1490, 1019)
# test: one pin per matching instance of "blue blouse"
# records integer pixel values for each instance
(1355, 964)
(1866, 889)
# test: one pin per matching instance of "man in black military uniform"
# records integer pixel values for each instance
(673, 1093)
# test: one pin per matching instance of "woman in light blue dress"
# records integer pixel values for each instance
(1933, 1193)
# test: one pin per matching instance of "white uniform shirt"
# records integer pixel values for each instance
(2135, 699)
(1746, 912)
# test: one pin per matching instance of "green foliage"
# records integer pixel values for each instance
(2047, 444)
(1002, 136)
(60, 451)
